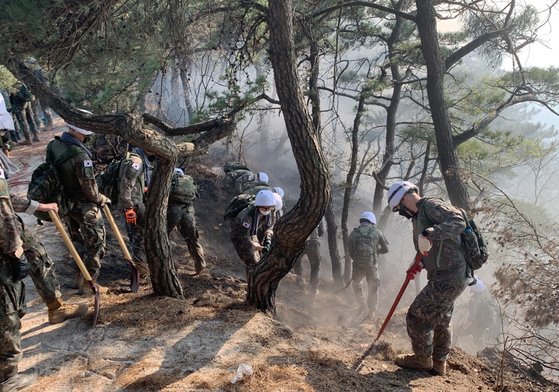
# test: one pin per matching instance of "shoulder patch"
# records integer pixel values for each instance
(136, 166)
(246, 225)
(87, 163)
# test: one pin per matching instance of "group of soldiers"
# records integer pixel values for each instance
(22, 254)
(436, 227)
(30, 117)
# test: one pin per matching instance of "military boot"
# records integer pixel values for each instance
(411, 361)
(59, 311)
(85, 288)
(439, 367)
(18, 381)
(27, 141)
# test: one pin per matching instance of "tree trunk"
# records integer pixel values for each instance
(349, 183)
(333, 245)
(448, 160)
(291, 232)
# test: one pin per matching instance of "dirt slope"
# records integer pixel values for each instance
(146, 343)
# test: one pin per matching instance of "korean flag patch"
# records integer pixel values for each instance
(87, 163)
(135, 166)
(246, 225)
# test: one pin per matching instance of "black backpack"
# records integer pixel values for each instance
(183, 189)
(473, 244)
(108, 180)
(237, 204)
(45, 187)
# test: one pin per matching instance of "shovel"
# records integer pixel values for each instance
(56, 219)
(410, 274)
(135, 278)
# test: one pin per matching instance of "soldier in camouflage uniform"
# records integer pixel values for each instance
(366, 242)
(77, 176)
(312, 250)
(21, 107)
(252, 229)
(436, 234)
(251, 183)
(180, 214)
(13, 269)
(135, 176)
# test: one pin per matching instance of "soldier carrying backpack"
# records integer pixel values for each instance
(365, 243)
(180, 214)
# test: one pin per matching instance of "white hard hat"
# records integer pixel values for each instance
(6, 120)
(279, 201)
(78, 129)
(478, 287)
(265, 198)
(279, 191)
(368, 215)
(263, 177)
(397, 191)
(179, 171)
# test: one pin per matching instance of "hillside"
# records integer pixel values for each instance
(146, 343)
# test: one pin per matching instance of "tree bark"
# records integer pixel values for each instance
(291, 232)
(448, 160)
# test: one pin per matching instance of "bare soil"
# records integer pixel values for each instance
(147, 343)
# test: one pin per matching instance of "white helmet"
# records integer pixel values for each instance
(263, 177)
(279, 191)
(368, 215)
(279, 201)
(265, 198)
(397, 191)
(179, 171)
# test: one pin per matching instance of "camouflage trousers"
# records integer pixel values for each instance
(136, 235)
(26, 121)
(182, 217)
(370, 272)
(246, 252)
(428, 318)
(312, 250)
(87, 231)
(12, 308)
(42, 267)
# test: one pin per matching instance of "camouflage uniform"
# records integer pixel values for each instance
(77, 176)
(21, 107)
(131, 195)
(231, 177)
(365, 243)
(312, 250)
(428, 318)
(12, 293)
(247, 227)
(180, 214)
(42, 268)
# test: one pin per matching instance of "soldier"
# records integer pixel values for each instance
(366, 242)
(13, 269)
(21, 107)
(251, 183)
(436, 235)
(180, 214)
(135, 176)
(312, 250)
(77, 176)
(252, 229)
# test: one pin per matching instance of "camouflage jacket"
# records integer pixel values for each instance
(75, 171)
(365, 244)
(251, 223)
(447, 223)
(132, 183)
(10, 239)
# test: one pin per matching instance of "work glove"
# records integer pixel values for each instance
(130, 216)
(20, 267)
(414, 269)
(104, 200)
(424, 244)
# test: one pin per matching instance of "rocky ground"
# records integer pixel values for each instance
(147, 343)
